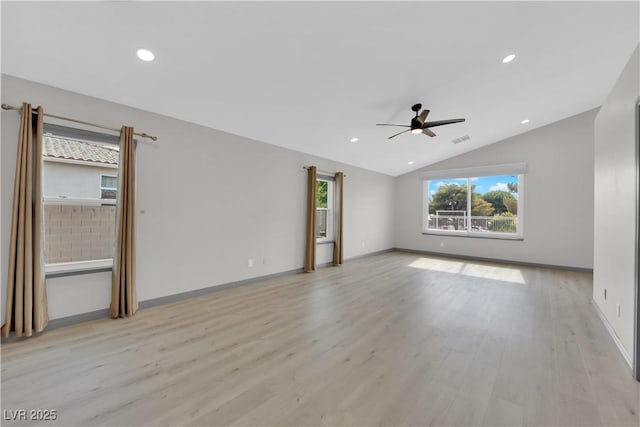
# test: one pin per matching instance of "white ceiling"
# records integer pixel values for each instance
(310, 76)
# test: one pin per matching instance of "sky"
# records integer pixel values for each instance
(483, 184)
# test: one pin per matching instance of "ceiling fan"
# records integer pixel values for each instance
(418, 124)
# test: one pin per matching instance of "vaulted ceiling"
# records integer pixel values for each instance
(310, 76)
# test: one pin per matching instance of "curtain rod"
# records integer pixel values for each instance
(325, 172)
(144, 135)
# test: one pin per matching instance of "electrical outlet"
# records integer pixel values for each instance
(250, 262)
(618, 309)
(441, 244)
(264, 259)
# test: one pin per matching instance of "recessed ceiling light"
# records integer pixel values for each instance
(508, 58)
(525, 121)
(411, 162)
(145, 55)
(353, 140)
(416, 131)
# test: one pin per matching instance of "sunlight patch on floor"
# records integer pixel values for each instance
(443, 265)
(503, 274)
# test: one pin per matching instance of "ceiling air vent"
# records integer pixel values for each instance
(460, 139)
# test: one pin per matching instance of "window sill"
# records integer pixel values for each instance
(324, 242)
(61, 269)
(495, 236)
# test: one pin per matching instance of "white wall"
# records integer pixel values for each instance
(615, 209)
(558, 198)
(207, 202)
(73, 180)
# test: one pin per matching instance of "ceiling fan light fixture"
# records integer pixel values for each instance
(508, 58)
(419, 125)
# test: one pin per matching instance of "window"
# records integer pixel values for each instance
(108, 187)
(482, 206)
(80, 171)
(324, 209)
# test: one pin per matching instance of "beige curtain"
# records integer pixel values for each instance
(26, 310)
(124, 300)
(310, 250)
(337, 247)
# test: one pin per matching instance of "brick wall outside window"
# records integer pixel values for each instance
(78, 233)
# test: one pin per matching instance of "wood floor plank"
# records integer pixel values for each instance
(392, 339)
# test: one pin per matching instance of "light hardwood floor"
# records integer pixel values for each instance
(393, 339)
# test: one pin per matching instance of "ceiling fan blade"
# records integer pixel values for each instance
(428, 132)
(399, 133)
(423, 115)
(442, 122)
(387, 124)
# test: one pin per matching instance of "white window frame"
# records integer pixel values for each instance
(88, 266)
(330, 210)
(433, 176)
(67, 268)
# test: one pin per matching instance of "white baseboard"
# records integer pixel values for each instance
(613, 334)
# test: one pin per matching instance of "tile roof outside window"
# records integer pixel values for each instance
(64, 148)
